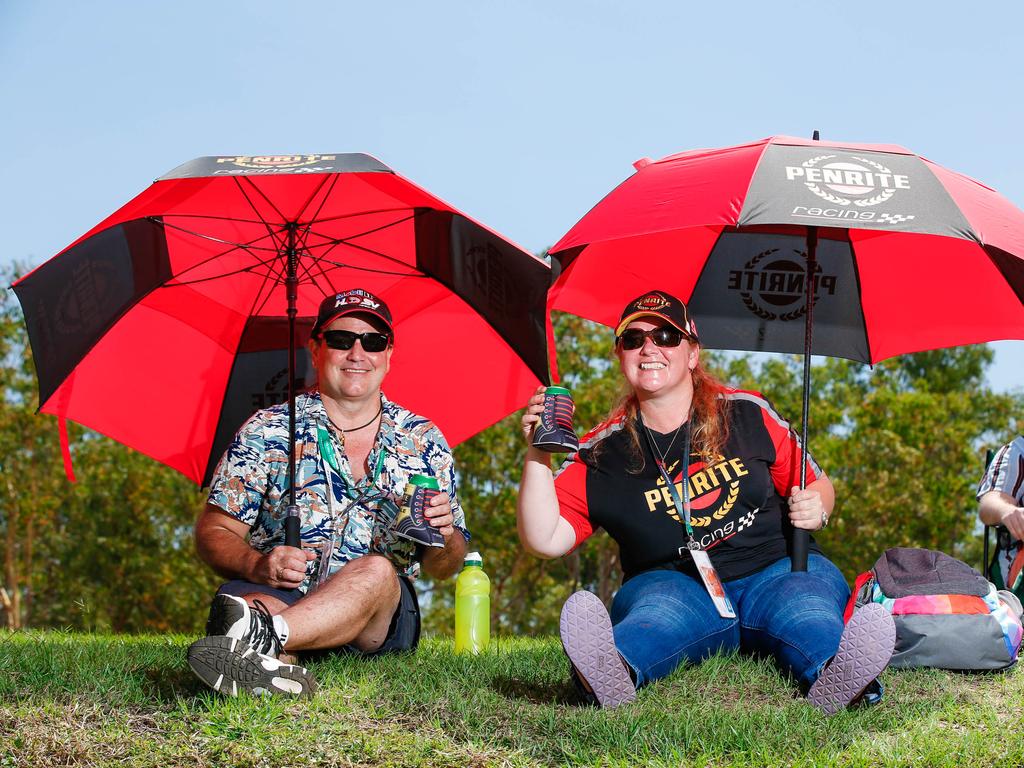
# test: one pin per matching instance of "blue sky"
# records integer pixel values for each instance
(523, 114)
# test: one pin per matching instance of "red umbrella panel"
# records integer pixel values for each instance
(888, 252)
(166, 325)
(911, 256)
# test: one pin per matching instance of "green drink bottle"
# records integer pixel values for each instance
(472, 606)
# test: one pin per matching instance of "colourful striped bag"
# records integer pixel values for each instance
(947, 614)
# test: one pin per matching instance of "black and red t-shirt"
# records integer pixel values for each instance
(738, 501)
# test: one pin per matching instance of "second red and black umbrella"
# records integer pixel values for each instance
(887, 251)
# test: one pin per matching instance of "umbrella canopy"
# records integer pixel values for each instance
(910, 256)
(889, 253)
(166, 325)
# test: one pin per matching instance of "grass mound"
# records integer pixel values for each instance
(72, 699)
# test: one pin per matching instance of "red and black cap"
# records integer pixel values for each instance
(350, 302)
(661, 305)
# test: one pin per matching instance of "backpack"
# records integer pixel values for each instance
(947, 614)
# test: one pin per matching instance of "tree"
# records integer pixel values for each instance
(903, 444)
(112, 551)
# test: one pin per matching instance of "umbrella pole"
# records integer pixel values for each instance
(292, 521)
(801, 537)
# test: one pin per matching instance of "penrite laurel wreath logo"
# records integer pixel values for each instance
(652, 302)
(855, 180)
(772, 285)
(275, 162)
(714, 489)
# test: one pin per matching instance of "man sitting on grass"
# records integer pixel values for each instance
(348, 588)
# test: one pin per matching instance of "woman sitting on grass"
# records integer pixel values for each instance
(732, 467)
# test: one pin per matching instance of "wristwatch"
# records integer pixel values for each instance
(824, 518)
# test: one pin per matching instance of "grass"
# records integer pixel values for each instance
(91, 700)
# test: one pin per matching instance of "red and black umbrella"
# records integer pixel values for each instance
(168, 324)
(903, 255)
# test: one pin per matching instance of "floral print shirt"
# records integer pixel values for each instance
(341, 520)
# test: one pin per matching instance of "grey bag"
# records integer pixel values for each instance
(947, 614)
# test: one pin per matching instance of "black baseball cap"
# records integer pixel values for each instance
(661, 305)
(348, 303)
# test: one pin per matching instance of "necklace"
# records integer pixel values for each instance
(361, 426)
(658, 453)
(682, 505)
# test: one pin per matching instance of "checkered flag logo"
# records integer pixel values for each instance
(892, 218)
(747, 520)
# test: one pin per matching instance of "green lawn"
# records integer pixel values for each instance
(73, 699)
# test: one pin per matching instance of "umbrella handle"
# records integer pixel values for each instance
(292, 537)
(801, 539)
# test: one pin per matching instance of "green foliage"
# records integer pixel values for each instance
(112, 551)
(903, 443)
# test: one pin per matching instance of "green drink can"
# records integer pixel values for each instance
(421, 481)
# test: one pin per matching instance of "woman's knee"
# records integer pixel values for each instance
(660, 591)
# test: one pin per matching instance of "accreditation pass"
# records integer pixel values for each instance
(712, 583)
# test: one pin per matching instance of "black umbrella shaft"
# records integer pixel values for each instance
(801, 538)
(292, 521)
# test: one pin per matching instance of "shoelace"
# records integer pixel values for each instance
(560, 413)
(261, 630)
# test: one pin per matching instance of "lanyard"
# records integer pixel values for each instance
(682, 505)
(706, 571)
(327, 451)
(331, 467)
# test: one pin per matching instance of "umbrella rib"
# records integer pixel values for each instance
(323, 272)
(323, 202)
(251, 268)
(308, 272)
(244, 246)
(274, 282)
(370, 251)
(341, 216)
(212, 218)
(364, 233)
(334, 242)
(251, 183)
(343, 265)
(315, 262)
(245, 196)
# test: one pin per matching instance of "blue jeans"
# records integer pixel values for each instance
(663, 618)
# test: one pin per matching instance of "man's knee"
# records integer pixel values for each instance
(377, 571)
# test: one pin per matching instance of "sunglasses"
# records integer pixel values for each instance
(664, 336)
(371, 340)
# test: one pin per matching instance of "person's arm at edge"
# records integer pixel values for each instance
(999, 508)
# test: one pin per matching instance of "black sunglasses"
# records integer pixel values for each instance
(663, 336)
(372, 341)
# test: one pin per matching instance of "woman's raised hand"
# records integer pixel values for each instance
(531, 416)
